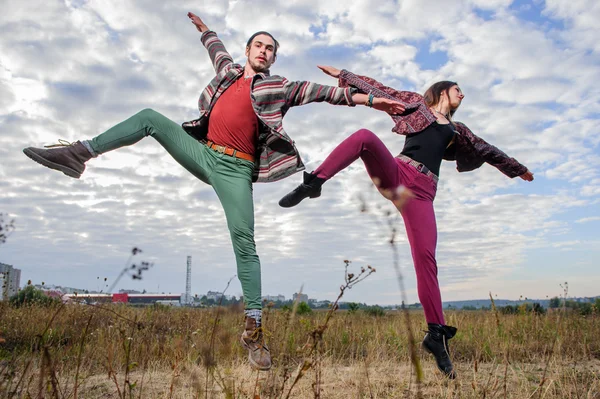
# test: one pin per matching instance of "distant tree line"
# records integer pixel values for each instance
(523, 308)
(583, 308)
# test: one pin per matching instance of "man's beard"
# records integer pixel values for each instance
(258, 68)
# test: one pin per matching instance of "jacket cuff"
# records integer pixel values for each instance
(519, 170)
(348, 92)
(206, 35)
(343, 78)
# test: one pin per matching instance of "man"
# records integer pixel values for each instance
(238, 139)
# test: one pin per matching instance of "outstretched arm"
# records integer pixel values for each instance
(216, 50)
(367, 85)
(392, 107)
(299, 93)
(347, 78)
(496, 157)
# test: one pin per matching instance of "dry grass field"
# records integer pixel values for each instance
(118, 351)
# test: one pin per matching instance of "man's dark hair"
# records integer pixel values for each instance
(262, 32)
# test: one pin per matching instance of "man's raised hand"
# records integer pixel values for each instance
(197, 22)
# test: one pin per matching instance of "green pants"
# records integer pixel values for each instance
(230, 177)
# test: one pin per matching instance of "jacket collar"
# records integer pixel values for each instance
(263, 75)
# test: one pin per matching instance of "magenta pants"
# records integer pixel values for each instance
(418, 214)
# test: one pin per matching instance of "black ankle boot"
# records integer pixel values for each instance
(69, 158)
(310, 188)
(436, 343)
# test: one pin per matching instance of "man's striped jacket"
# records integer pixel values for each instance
(271, 96)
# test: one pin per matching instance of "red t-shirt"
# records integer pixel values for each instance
(232, 121)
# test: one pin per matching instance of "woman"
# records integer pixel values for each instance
(410, 179)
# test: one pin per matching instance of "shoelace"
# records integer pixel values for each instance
(444, 342)
(446, 346)
(61, 143)
(258, 336)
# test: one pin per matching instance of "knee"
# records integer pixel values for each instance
(148, 114)
(364, 135)
(365, 139)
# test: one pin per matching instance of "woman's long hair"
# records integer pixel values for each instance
(433, 95)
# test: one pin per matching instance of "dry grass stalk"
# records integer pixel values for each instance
(6, 228)
(414, 356)
(317, 334)
(209, 358)
(568, 373)
(79, 355)
(391, 226)
(285, 348)
(366, 363)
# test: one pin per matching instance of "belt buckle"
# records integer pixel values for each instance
(220, 149)
(423, 169)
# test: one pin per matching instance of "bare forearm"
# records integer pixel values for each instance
(375, 98)
(392, 107)
(360, 99)
(202, 28)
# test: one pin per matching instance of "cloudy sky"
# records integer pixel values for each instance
(529, 69)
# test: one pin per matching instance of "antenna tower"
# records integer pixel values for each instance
(188, 282)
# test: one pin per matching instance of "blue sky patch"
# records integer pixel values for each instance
(532, 11)
(426, 58)
(75, 90)
(486, 15)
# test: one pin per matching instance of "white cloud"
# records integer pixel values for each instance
(581, 17)
(529, 91)
(588, 219)
(74, 69)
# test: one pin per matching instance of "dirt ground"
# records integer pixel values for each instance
(343, 382)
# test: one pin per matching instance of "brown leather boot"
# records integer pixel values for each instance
(253, 340)
(69, 158)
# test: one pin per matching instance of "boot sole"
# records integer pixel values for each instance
(293, 204)
(451, 375)
(252, 362)
(43, 161)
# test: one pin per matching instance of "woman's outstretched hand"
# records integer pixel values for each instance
(382, 104)
(527, 176)
(390, 106)
(329, 70)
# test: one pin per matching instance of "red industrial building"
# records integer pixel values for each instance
(134, 299)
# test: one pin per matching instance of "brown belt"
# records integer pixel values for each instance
(419, 166)
(229, 151)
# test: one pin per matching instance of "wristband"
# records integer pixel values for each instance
(370, 100)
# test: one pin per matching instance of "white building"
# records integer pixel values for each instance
(300, 297)
(274, 298)
(215, 296)
(2, 287)
(11, 280)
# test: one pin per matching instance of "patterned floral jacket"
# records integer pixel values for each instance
(469, 151)
(271, 96)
